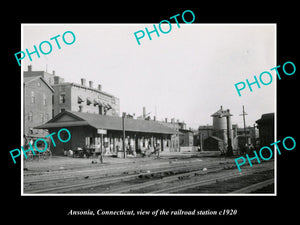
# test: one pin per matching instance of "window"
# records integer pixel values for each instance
(46, 117)
(62, 88)
(42, 117)
(44, 99)
(32, 97)
(62, 98)
(30, 116)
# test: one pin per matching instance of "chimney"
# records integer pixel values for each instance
(91, 84)
(82, 81)
(166, 120)
(144, 112)
(29, 68)
(56, 80)
(154, 118)
(99, 87)
(53, 72)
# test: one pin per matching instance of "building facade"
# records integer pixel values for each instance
(77, 97)
(89, 130)
(48, 77)
(37, 105)
(213, 143)
(186, 138)
(83, 98)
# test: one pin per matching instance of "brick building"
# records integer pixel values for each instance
(77, 97)
(84, 98)
(37, 97)
(48, 77)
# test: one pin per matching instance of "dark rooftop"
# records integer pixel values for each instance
(70, 118)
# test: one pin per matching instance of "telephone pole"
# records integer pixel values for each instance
(123, 127)
(244, 113)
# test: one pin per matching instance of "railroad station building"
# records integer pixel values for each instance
(87, 129)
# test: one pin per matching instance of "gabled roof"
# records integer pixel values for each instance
(33, 78)
(70, 118)
(220, 113)
(216, 138)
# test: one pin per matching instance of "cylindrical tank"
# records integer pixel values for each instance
(219, 123)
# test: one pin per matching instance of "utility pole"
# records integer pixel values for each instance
(244, 113)
(229, 148)
(123, 127)
(101, 149)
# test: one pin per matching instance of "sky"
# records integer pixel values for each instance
(186, 74)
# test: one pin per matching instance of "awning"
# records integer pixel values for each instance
(88, 101)
(108, 106)
(96, 102)
(80, 99)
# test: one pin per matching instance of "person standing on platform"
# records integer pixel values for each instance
(157, 149)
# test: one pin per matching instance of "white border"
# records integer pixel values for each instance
(95, 194)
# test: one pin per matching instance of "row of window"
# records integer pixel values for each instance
(43, 117)
(33, 100)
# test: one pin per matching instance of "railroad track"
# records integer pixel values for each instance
(157, 176)
(254, 187)
(174, 188)
(102, 180)
(136, 187)
(217, 179)
(59, 175)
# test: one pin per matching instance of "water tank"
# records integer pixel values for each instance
(219, 123)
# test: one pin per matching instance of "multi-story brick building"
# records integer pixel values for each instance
(48, 77)
(83, 98)
(77, 97)
(37, 105)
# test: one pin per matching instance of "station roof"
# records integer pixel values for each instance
(71, 119)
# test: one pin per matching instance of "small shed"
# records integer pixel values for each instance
(213, 143)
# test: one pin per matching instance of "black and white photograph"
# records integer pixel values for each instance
(106, 115)
(139, 114)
